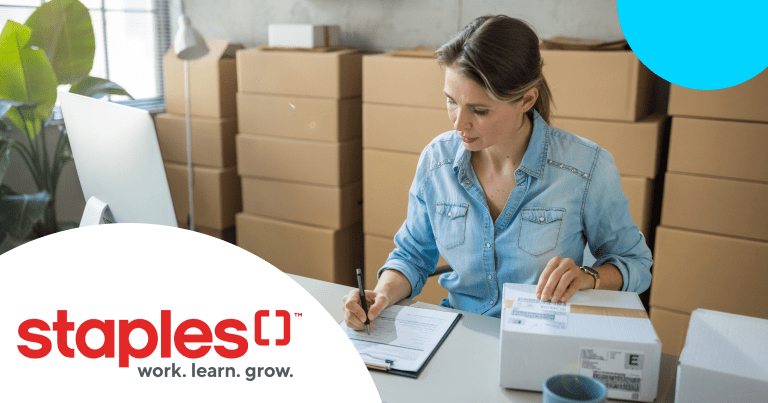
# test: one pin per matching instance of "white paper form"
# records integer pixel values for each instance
(404, 337)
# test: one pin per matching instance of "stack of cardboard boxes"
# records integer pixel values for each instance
(299, 158)
(403, 110)
(603, 96)
(713, 239)
(216, 191)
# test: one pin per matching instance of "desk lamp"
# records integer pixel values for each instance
(189, 45)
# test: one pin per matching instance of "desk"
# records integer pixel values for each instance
(466, 367)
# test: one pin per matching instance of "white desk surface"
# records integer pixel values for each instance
(466, 367)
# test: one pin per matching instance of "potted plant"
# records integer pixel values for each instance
(54, 47)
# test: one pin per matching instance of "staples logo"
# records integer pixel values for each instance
(62, 327)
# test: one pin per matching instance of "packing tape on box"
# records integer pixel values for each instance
(596, 310)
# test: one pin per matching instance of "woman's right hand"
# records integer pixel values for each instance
(354, 316)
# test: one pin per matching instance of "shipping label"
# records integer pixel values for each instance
(620, 371)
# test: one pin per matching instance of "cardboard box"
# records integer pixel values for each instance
(722, 206)
(216, 193)
(319, 253)
(415, 80)
(321, 119)
(303, 35)
(599, 334)
(635, 146)
(745, 101)
(694, 270)
(212, 82)
(402, 128)
(387, 177)
(725, 359)
(318, 162)
(377, 250)
(612, 85)
(719, 148)
(332, 74)
(226, 235)
(639, 191)
(213, 140)
(671, 327)
(325, 206)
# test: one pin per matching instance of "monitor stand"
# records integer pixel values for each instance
(96, 212)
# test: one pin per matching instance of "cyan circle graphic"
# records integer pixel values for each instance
(702, 45)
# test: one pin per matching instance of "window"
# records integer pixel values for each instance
(132, 37)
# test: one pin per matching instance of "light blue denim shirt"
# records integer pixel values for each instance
(568, 193)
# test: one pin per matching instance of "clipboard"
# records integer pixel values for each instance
(379, 361)
(386, 365)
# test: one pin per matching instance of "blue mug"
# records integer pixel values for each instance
(571, 388)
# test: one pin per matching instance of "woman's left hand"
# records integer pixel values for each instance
(561, 279)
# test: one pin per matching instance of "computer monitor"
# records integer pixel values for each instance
(118, 159)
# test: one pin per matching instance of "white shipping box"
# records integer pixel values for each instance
(601, 334)
(725, 359)
(305, 36)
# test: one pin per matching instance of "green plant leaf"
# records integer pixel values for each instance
(7, 104)
(98, 87)
(64, 30)
(41, 82)
(19, 213)
(12, 39)
(27, 77)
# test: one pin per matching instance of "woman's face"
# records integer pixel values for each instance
(481, 121)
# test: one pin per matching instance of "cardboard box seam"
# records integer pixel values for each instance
(297, 222)
(742, 238)
(727, 178)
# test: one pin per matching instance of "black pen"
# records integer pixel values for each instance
(363, 302)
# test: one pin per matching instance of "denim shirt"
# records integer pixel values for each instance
(567, 193)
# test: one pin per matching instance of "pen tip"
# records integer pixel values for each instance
(368, 329)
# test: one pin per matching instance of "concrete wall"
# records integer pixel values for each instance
(389, 24)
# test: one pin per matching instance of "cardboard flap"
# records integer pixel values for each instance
(418, 51)
(231, 51)
(570, 43)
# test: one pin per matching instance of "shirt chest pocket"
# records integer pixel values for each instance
(539, 230)
(450, 222)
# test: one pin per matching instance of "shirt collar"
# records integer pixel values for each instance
(534, 157)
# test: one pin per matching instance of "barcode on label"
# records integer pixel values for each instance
(613, 380)
(537, 301)
(537, 315)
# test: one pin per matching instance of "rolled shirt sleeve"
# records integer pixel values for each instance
(415, 254)
(612, 235)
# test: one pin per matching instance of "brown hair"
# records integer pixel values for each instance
(501, 54)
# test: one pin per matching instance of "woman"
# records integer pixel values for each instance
(506, 198)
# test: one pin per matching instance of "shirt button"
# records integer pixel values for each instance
(541, 218)
(487, 245)
(466, 183)
(490, 277)
(449, 214)
(573, 170)
(586, 176)
(506, 215)
(561, 165)
(493, 302)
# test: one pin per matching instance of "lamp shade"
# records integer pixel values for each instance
(188, 43)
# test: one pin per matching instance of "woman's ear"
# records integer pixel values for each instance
(529, 99)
